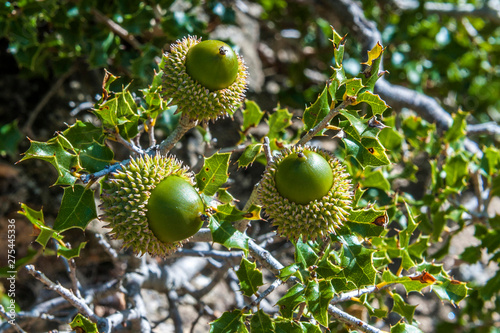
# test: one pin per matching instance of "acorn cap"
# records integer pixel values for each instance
(125, 198)
(312, 219)
(190, 96)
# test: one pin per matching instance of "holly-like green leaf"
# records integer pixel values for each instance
(416, 283)
(36, 218)
(450, 290)
(457, 130)
(367, 222)
(69, 253)
(250, 277)
(228, 212)
(225, 234)
(229, 322)
(404, 328)
(249, 154)
(456, 168)
(77, 209)
(326, 269)
(293, 297)
(55, 153)
(371, 73)
(251, 115)
(213, 173)
(401, 307)
(290, 270)
(292, 326)
(357, 261)
(261, 323)
(278, 121)
(376, 103)
(88, 141)
(317, 111)
(318, 296)
(352, 87)
(304, 254)
(490, 161)
(84, 324)
(361, 142)
(375, 179)
(10, 136)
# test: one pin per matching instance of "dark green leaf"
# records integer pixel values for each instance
(375, 179)
(376, 103)
(261, 323)
(225, 234)
(77, 209)
(318, 296)
(400, 306)
(404, 328)
(36, 218)
(291, 300)
(250, 277)
(357, 261)
(229, 322)
(304, 254)
(317, 111)
(55, 153)
(457, 129)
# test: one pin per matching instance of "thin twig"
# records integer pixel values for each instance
(173, 299)
(130, 145)
(9, 320)
(351, 321)
(151, 132)
(276, 283)
(324, 122)
(267, 150)
(65, 293)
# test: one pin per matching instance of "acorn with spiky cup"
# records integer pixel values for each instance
(306, 193)
(205, 79)
(151, 204)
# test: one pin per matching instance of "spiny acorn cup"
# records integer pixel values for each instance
(206, 80)
(151, 205)
(306, 192)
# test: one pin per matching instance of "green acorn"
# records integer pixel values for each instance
(306, 192)
(206, 80)
(151, 205)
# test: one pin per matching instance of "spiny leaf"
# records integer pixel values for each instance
(416, 284)
(293, 297)
(249, 154)
(373, 54)
(304, 254)
(250, 277)
(251, 115)
(229, 322)
(77, 209)
(292, 326)
(352, 87)
(69, 253)
(278, 121)
(317, 111)
(404, 328)
(318, 296)
(225, 234)
(376, 103)
(213, 173)
(457, 130)
(261, 323)
(357, 261)
(375, 179)
(367, 222)
(84, 324)
(55, 153)
(361, 142)
(402, 308)
(36, 218)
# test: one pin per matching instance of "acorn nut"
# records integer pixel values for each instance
(206, 80)
(213, 64)
(305, 192)
(151, 205)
